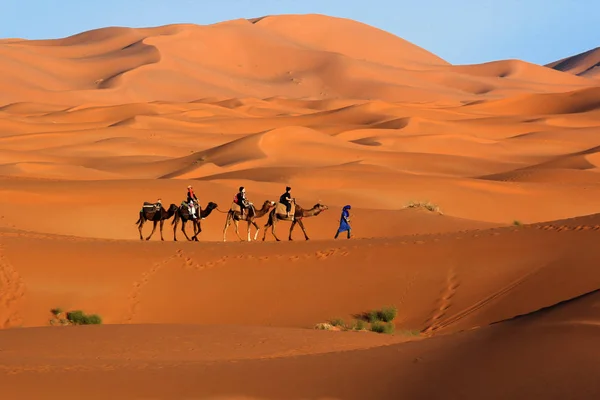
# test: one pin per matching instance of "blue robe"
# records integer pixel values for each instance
(344, 226)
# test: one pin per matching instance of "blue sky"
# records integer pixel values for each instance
(460, 31)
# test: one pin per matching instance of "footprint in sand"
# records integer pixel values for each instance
(326, 254)
(444, 303)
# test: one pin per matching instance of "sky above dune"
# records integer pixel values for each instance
(460, 31)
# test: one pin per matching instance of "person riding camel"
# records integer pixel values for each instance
(286, 199)
(191, 196)
(240, 199)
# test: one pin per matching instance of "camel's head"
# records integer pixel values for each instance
(269, 204)
(173, 208)
(320, 207)
(211, 206)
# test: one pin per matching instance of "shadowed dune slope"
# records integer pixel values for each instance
(585, 64)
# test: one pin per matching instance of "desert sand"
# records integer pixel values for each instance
(474, 193)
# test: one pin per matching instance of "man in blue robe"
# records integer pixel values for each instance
(344, 222)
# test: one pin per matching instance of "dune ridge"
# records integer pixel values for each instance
(473, 193)
(585, 64)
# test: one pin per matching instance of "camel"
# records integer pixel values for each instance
(183, 213)
(156, 213)
(279, 214)
(234, 215)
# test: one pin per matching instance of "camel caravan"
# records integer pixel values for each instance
(241, 210)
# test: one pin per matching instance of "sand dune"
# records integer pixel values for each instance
(446, 287)
(586, 64)
(474, 211)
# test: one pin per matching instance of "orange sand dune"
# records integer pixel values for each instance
(474, 199)
(448, 283)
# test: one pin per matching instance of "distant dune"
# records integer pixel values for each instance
(474, 210)
(586, 64)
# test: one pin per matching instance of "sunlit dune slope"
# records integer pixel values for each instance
(292, 56)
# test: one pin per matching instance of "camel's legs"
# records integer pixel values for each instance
(270, 219)
(292, 229)
(236, 225)
(153, 229)
(183, 229)
(248, 230)
(265, 231)
(303, 230)
(273, 228)
(140, 225)
(227, 223)
(162, 222)
(176, 222)
(197, 230)
(257, 229)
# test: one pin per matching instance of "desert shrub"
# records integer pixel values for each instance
(93, 319)
(56, 311)
(338, 322)
(324, 326)
(380, 327)
(359, 325)
(388, 314)
(373, 316)
(517, 223)
(424, 204)
(76, 317)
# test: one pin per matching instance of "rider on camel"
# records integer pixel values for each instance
(242, 202)
(191, 196)
(286, 199)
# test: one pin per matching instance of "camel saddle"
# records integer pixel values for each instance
(235, 208)
(152, 206)
(187, 205)
(282, 210)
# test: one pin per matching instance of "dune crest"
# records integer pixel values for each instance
(586, 64)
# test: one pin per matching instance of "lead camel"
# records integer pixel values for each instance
(279, 214)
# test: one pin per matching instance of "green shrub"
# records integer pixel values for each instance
(380, 327)
(338, 322)
(78, 317)
(359, 325)
(373, 316)
(56, 311)
(388, 314)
